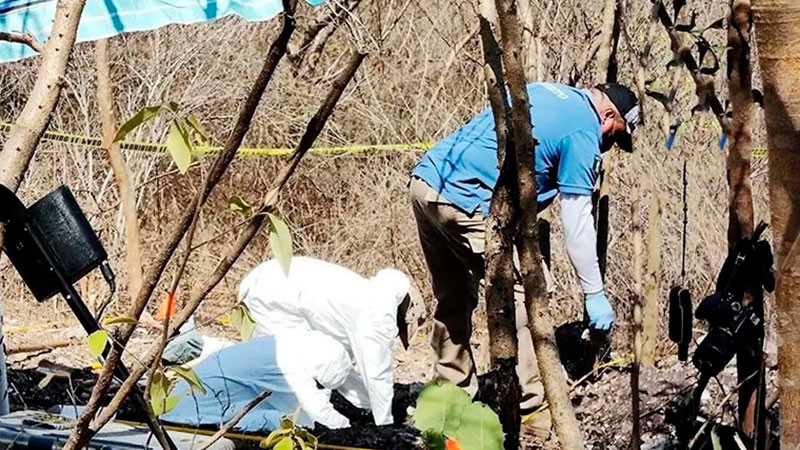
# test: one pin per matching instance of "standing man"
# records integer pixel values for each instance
(451, 188)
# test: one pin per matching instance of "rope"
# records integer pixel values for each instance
(159, 148)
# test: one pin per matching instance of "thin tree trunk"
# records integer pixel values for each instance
(503, 395)
(652, 284)
(778, 38)
(127, 192)
(31, 124)
(638, 255)
(536, 299)
(740, 194)
(80, 434)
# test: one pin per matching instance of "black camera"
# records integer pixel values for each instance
(732, 325)
(748, 268)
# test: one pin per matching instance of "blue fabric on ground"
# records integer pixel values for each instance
(233, 377)
(106, 18)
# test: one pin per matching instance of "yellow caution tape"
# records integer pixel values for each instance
(151, 147)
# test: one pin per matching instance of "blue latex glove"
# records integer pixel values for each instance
(600, 312)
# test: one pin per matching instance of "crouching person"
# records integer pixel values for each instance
(290, 366)
(363, 315)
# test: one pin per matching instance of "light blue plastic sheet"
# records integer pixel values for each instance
(106, 18)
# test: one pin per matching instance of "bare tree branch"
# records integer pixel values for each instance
(232, 423)
(22, 38)
(536, 300)
(230, 256)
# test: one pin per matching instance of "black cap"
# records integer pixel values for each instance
(625, 101)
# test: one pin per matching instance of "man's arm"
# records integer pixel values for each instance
(581, 241)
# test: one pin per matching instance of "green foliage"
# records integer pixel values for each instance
(240, 205)
(290, 436)
(433, 440)
(185, 133)
(144, 114)
(160, 399)
(179, 146)
(280, 241)
(446, 411)
(243, 321)
(190, 376)
(715, 443)
(97, 342)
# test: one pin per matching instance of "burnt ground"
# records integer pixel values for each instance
(602, 404)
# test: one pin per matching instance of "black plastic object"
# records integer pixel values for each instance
(680, 320)
(46, 241)
(578, 349)
(68, 235)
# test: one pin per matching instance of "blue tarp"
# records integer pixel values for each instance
(106, 18)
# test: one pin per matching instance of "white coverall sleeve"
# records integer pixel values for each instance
(375, 362)
(581, 240)
(316, 402)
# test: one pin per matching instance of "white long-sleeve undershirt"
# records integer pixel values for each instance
(581, 240)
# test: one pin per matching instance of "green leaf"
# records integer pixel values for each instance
(97, 342)
(171, 402)
(179, 146)
(715, 443)
(190, 376)
(433, 440)
(240, 205)
(284, 444)
(273, 438)
(119, 320)
(280, 241)
(439, 407)
(480, 429)
(46, 380)
(243, 321)
(144, 114)
(198, 129)
(305, 435)
(159, 389)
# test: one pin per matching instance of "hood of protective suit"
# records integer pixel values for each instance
(389, 285)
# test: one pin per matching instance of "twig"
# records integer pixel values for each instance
(231, 423)
(22, 38)
(719, 409)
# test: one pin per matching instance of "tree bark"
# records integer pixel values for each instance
(777, 25)
(638, 255)
(652, 284)
(536, 299)
(127, 192)
(80, 434)
(503, 393)
(740, 194)
(30, 125)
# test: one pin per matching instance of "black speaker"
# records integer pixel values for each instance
(68, 235)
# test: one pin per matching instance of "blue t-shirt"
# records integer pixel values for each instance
(463, 166)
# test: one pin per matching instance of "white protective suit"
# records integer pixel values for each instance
(358, 312)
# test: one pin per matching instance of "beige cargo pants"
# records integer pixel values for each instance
(453, 243)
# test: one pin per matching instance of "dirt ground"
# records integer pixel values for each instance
(602, 402)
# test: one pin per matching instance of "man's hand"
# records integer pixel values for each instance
(601, 314)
